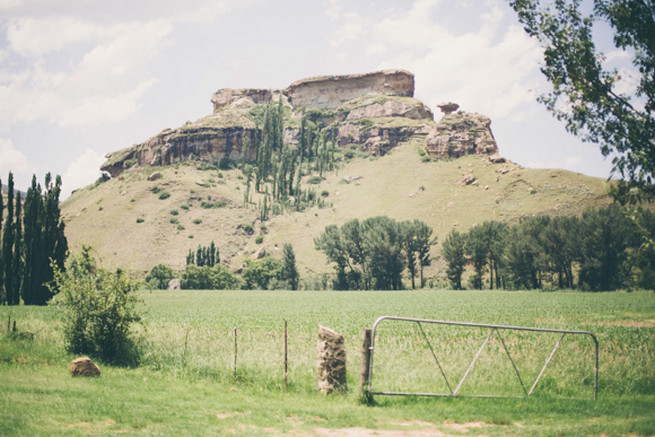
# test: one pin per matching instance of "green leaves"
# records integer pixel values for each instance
(98, 309)
(375, 251)
(585, 93)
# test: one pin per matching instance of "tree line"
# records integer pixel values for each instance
(203, 271)
(604, 249)
(33, 241)
(374, 253)
(275, 168)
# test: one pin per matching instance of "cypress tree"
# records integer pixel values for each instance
(212, 254)
(290, 272)
(54, 244)
(200, 261)
(8, 244)
(33, 242)
(17, 262)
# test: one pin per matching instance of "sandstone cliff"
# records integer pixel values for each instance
(458, 134)
(330, 92)
(372, 112)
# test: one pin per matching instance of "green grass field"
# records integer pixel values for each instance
(185, 385)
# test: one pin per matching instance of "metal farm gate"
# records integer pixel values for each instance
(493, 329)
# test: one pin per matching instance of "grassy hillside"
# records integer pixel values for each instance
(130, 226)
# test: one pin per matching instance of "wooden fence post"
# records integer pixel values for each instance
(366, 359)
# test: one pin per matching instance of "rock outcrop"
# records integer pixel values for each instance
(171, 146)
(330, 92)
(227, 96)
(458, 134)
(83, 366)
(372, 112)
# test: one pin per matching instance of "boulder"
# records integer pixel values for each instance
(226, 96)
(331, 361)
(497, 159)
(153, 177)
(83, 366)
(448, 108)
(174, 284)
(261, 253)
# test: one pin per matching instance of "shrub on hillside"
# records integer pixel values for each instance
(98, 309)
(160, 276)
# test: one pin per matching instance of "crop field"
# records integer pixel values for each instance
(186, 381)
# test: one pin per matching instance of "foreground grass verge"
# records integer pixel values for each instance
(185, 384)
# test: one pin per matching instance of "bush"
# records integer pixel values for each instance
(129, 163)
(259, 239)
(260, 274)
(315, 180)
(197, 221)
(208, 278)
(160, 276)
(164, 195)
(140, 220)
(217, 204)
(98, 309)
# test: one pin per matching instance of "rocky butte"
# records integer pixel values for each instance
(371, 112)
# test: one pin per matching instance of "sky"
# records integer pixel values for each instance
(82, 78)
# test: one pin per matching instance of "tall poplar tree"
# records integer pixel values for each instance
(17, 262)
(51, 245)
(8, 244)
(32, 243)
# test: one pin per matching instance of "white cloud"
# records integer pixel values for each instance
(10, 4)
(107, 84)
(489, 69)
(13, 160)
(376, 49)
(83, 171)
(333, 10)
(37, 36)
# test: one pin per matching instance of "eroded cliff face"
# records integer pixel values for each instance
(461, 133)
(373, 112)
(227, 96)
(330, 92)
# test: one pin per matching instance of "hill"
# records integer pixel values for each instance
(187, 186)
(129, 225)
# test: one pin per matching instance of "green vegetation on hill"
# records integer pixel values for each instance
(397, 185)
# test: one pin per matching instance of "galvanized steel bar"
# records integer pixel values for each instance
(435, 357)
(518, 375)
(543, 369)
(484, 344)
